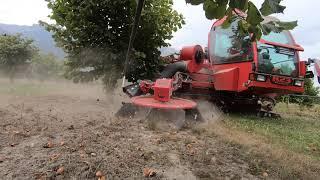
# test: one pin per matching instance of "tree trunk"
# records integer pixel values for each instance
(12, 73)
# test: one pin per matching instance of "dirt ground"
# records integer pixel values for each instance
(73, 126)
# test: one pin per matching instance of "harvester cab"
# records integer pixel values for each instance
(254, 73)
(233, 72)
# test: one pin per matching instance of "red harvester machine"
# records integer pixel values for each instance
(233, 72)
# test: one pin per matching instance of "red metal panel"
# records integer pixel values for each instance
(268, 86)
(302, 68)
(188, 54)
(232, 77)
(226, 79)
(174, 103)
(163, 89)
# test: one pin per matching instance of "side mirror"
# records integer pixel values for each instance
(310, 61)
(309, 74)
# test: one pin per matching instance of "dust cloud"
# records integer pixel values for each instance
(209, 111)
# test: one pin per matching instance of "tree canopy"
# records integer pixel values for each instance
(15, 51)
(95, 34)
(46, 66)
(254, 17)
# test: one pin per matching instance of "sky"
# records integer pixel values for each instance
(307, 34)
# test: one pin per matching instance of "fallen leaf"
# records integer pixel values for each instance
(148, 172)
(265, 174)
(102, 178)
(40, 176)
(99, 174)
(60, 170)
(62, 143)
(189, 146)
(82, 155)
(48, 145)
(54, 157)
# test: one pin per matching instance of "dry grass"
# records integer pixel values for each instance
(289, 146)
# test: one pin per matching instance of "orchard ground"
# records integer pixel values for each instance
(49, 125)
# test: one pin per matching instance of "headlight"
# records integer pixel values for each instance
(261, 78)
(298, 83)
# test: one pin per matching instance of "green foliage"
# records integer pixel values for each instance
(305, 101)
(310, 89)
(271, 6)
(15, 52)
(253, 19)
(95, 34)
(46, 66)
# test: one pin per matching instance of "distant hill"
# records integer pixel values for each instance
(165, 51)
(43, 39)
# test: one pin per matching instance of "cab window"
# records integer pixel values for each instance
(228, 46)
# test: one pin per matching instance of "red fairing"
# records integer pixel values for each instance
(302, 68)
(188, 54)
(173, 104)
(163, 90)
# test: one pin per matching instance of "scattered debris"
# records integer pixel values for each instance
(71, 127)
(54, 157)
(62, 143)
(1, 159)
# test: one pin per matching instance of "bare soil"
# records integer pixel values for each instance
(74, 127)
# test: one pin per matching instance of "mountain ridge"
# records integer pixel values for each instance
(42, 38)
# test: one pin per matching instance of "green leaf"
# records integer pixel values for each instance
(278, 26)
(271, 6)
(256, 32)
(239, 4)
(210, 7)
(288, 25)
(215, 9)
(254, 17)
(195, 2)
(229, 19)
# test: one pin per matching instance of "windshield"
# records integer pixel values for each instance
(282, 37)
(228, 45)
(277, 60)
